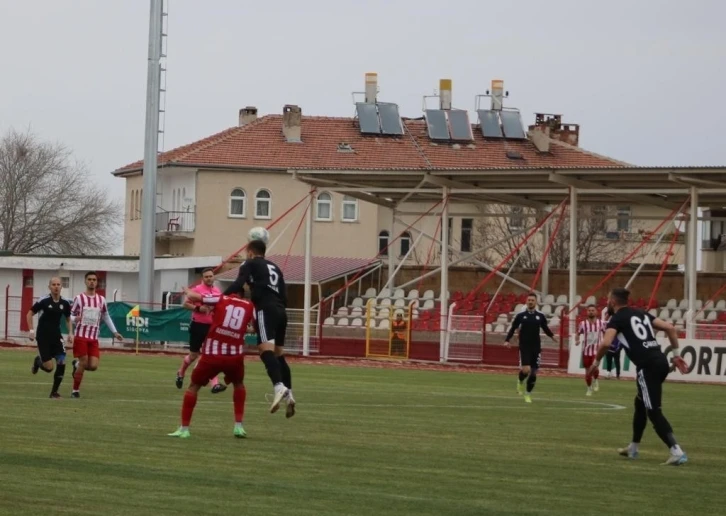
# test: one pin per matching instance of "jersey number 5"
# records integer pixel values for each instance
(234, 317)
(274, 276)
(640, 328)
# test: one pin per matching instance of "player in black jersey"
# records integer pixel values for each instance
(636, 331)
(52, 308)
(529, 322)
(269, 295)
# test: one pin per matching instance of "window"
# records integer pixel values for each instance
(383, 243)
(405, 243)
(599, 220)
(324, 207)
(350, 209)
(624, 219)
(237, 203)
(65, 282)
(467, 226)
(263, 204)
(516, 217)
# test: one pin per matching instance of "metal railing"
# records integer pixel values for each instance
(175, 222)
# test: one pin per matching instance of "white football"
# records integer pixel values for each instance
(258, 233)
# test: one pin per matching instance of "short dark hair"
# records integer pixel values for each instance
(208, 269)
(90, 273)
(591, 305)
(621, 295)
(258, 247)
(532, 294)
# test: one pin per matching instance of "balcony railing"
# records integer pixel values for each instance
(175, 222)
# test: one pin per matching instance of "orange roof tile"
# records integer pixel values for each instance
(261, 145)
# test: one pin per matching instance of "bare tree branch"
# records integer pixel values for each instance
(48, 201)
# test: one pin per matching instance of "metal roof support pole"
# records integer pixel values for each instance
(545, 281)
(307, 301)
(151, 148)
(573, 266)
(692, 269)
(444, 297)
(391, 254)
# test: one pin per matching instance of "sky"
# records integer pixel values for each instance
(645, 79)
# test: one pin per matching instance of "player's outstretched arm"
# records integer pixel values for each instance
(238, 285)
(669, 329)
(515, 324)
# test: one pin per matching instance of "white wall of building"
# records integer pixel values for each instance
(176, 189)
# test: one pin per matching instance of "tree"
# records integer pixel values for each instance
(48, 201)
(599, 244)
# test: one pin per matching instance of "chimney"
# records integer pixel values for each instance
(291, 123)
(445, 93)
(552, 125)
(371, 87)
(540, 136)
(247, 115)
(497, 95)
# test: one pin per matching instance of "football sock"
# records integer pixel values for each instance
(60, 371)
(214, 381)
(239, 397)
(272, 365)
(185, 365)
(522, 376)
(77, 379)
(285, 371)
(662, 427)
(531, 381)
(190, 401)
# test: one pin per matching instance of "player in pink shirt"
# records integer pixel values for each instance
(202, 319)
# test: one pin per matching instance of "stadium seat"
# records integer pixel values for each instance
(549, 299)
(385, 324)
(329, 321)
(700, 316)
(412, 294)
(499, 328)
(712, 316)
(562, 299)
(371, 292)
(357, 322)
(721, 304)
(699, 304)
(518, 308)
(683, 305)
(590, 300)
(672, 304)
(400, 302)
(399, 293)
(343, 321)
(343, 310)
(429, 294)
(547, 310)
(428, 304)
(653, 312)
(664, 314)
(386, 292)
(502, 319)
(358, 301)
(384, 313)
(558, 310)
(488, 328)
(356, 311)
(677, 315)
(708, 305)
(385, 301)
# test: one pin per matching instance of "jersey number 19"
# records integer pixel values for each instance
(234, 317)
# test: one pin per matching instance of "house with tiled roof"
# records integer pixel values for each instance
(212, 191)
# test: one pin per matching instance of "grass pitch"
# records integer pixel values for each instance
(365, 441)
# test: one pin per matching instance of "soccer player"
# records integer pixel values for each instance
(199, 327)
(613, 356)
(636, 329)
(269, 295)
(529, 322)
(52, 309)
(222, 352)
(88, 309)
(591, 331)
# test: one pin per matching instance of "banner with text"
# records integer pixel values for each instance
(706, 361)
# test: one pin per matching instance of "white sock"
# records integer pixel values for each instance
(634, 446)
(676, 450)
(238, 425)
(279, 386)
(184, 428)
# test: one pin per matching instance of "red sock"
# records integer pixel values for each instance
(190, 400)
(185, 365)
(77, 379)
(239, 397)
(215, 381)
(588, 380)
(596, 374)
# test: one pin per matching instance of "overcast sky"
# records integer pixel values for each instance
(645, 78)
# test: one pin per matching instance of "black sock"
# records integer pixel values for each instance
(272, 365)
(60, 371)
(530, 381)
(285, 371)
(522, 376)
(617, 364)
(640, 420)
(662, 427)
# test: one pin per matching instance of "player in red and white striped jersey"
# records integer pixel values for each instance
(592, 330)
(222, 352)
(87, 311)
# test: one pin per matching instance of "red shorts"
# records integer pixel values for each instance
(587, 361)
(83, 347)
(210, 366)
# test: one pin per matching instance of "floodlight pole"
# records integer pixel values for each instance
(692, 265)
(545, 278)
(444, 297)
(391, 257)
(147, 249)
(573, 264)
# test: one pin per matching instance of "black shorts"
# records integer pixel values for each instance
(50, 346)
(271, 325)
(197, 335)
(650, 380)
(530, 357)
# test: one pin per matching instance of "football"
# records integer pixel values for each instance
(258, 233)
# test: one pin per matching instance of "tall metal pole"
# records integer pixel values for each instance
(444, 298)
(545, 288)
(391, 252)
(573, 264)
(307, 291)
(692, 265)
(151, 147)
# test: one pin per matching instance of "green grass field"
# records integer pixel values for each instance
(365, 441)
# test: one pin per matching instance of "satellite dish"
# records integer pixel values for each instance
(680, 225)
